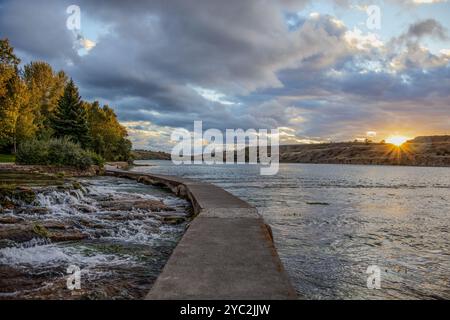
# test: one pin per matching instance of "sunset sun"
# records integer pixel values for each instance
(397, 140)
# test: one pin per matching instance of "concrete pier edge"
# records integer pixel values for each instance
(227, 251)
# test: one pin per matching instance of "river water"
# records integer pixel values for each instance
(126, 242)
(331, 222)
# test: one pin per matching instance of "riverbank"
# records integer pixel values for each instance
(51, 170)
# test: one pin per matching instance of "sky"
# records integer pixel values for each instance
(317, 70)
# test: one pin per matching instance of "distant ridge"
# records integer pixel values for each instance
(420, 151)
(431, 139)
(150, 155)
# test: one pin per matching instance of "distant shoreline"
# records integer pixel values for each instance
(318, 163)
(429, 151)
(421, 151)
(370, 164)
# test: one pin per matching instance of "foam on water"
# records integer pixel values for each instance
(48, 255)
(132, 244)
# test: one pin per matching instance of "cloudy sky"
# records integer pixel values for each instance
(315, 69)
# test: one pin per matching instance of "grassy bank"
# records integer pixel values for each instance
(7, 158)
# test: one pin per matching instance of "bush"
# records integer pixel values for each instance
(60, 152)
(32, 152)
(96, 158)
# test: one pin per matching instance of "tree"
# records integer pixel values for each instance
(46, 88)
(70, 118)
(108, 136)
(16, 122)
(7, 56)
(8, 65)
(36, 104)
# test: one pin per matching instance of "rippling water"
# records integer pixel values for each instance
(331, 222)
(122, 255)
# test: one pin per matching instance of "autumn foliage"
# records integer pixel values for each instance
(41, 107)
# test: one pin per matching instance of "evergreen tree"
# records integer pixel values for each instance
(70, 118)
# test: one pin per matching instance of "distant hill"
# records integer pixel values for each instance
(150, 155)
(420, 151)
(431, 139)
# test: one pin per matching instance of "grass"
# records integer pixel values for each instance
(7, 158)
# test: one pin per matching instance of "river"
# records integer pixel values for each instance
(111, 229)
(332, 222)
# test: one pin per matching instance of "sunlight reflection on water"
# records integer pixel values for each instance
(331, 222)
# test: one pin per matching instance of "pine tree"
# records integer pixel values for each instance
(70, 119)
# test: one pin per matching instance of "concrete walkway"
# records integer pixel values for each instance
(226, 253)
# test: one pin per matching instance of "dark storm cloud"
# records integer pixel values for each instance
(160, 49)
(38, 29)
(280, 69)
(427, 27)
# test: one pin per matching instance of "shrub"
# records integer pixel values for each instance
(32, 152)
(60, 152)
(96, 158)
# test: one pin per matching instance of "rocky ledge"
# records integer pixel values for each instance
(51, 170)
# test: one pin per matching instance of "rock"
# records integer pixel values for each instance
(25, 194)
(118, 165)
(67, 236)
(129, 205)
(124, 217)
(10, 220)
(41, 231)
(77, 186)
(172, 219)
(173, 213)
(102, 198)
(7, 204)
(56, 171)
(84, 209)
(17, 233)
(9, 195)
(22, 233)
(100, 234)
(90, 224)
(32, 211)
(56, 225)
(117, 217)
